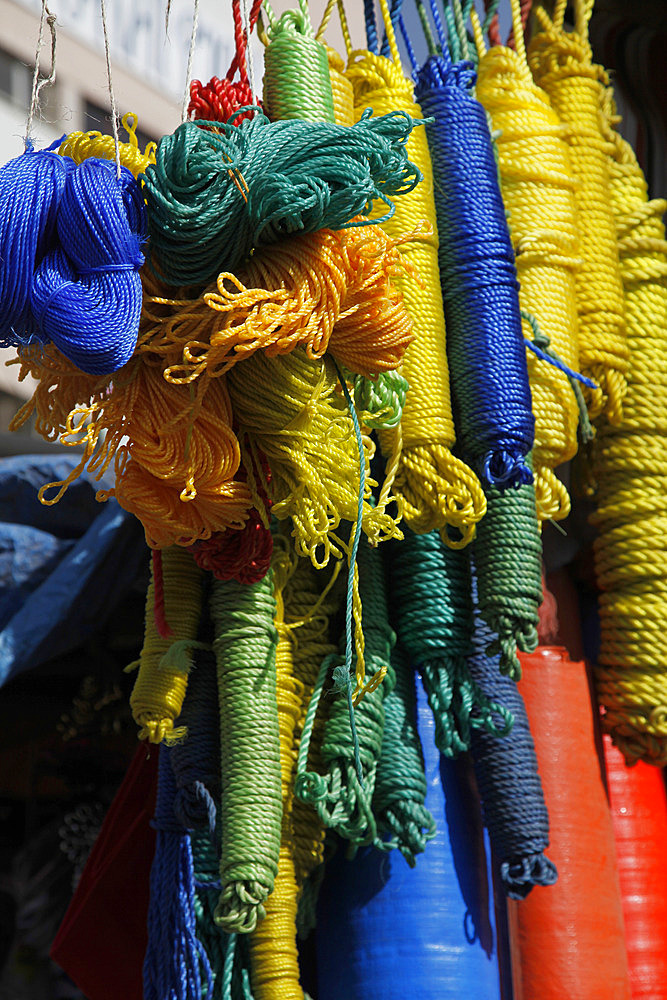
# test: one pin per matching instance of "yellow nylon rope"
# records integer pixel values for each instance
(538, 192)
(436, 488)
(81, 145)
(273, 954)
(562, 65)
(341, 89)
(159, 690)
(630, 465)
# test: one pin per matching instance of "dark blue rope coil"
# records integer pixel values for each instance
(195, 760)
(487, 357)
(31, 186)
(509, 784)
(176, 966)
(86, 294)
(431, 610)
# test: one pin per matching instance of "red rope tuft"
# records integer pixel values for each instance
(243, 555)
(161, 623)
(218, 100)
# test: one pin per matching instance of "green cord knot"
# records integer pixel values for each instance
(380, 400)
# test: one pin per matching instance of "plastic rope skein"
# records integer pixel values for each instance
(487, 358)
(296, 71)
(251, 804)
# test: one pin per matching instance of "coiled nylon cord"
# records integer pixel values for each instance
(296, 69)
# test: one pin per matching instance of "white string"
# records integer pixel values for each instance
(112, 99)
(38, 84)
(191, 53)
(245, 14)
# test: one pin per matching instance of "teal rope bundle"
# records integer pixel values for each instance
(217, 190)
(342, 801)
(400, 783)
(507, 555)
(251, 796)
(431, 609)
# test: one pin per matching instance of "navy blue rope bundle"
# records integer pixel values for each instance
(508, 781)
(31, 186)
(87, 291)
(195, 760)
(217, 190)
(176, 966)
(487, 357)
(70, 258)
(431, 610)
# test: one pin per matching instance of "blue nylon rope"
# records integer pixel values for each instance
(508, 781)
(371, 26)
(176, 966)
(485, 345)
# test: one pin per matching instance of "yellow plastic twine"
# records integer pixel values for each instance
(159, 690)
(81, 145)
(631, 470)
(436, 489)
(296, 69)
(273, 954)
(290, 410)
(341, 89)
(538, 192)
(562, 65)
(324, 290)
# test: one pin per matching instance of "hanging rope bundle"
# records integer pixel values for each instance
(487, 358)
(237, 554)
(341, 89)
(218, 100)
(431, 608)
(251, 803)
(176, 964)
(538, 192)
(507, 555)
(262, 180)
(162, 678)
(631, 678)
(80, 146)
(296, 69)
(86, 293)
(435, 488)
(31, 188)
(301, 424)
(323, 290)
(341, 798)
(508, 781)
(273, 943)
(403, 820)
(561, 63)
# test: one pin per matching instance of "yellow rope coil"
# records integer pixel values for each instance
(630, 465)
(341, 88)
(159, 690)
(538, 192)
(300, 423)
(81, 145)
(436, 489)
(562, 65)
(323, 290)
(273, 953)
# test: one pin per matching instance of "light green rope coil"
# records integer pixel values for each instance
(296, 70)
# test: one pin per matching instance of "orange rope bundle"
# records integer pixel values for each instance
(319, 290)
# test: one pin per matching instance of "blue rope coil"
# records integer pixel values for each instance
(31, 186)
(176, 966)
(262, 180)
(509, 784)
(491, 396)
(86, 293)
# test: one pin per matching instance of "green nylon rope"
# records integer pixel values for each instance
(380, 400)
(432, 612)
(400, 782)
(296, 71)
(507, 553)
(342, 802)
(260, 181)
(251, 794)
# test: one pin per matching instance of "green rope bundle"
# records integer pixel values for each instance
(380, 400)
(432, 612)
(251, 796)
(296, 70)
(341, 800)
(400, 782)
(217, 190)
(507, 553)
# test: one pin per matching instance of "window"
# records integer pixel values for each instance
(15, 79)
